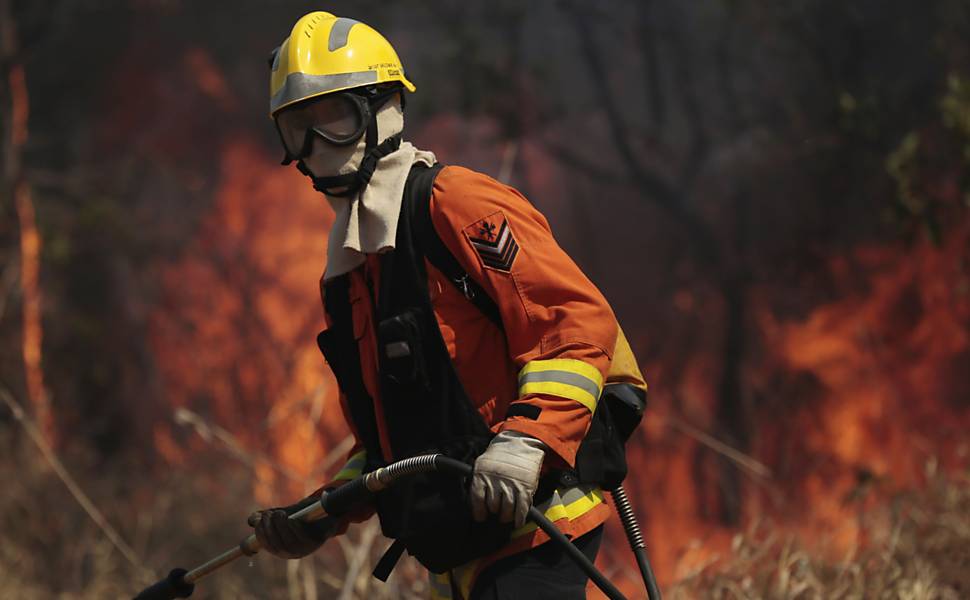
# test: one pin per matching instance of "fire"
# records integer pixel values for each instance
(30, 254)
(209, 79)
(885, 365)
(873, 387)
(234, 337)
(888, 364)
(867, 386)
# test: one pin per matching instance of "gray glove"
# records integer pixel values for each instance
(506, 476)
(289, 538)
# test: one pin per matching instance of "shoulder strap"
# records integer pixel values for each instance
(417, 193)
(339, 348)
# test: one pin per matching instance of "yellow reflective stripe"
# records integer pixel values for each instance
(564, 364)
(565, 504)
(563, 377)
(562, 390)
(570, 503)
(440, 585)
(354, 466)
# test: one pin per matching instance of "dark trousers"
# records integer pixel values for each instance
(543, 573)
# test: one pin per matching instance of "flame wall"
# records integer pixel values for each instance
(849, 400)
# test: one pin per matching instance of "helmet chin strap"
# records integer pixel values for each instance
(348, 184)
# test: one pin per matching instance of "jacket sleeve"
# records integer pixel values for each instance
(560, 330)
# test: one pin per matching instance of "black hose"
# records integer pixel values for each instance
(446, 464)
(344, 498)
(653, 591)
(629, 519)
(349, 495)
(576, 554)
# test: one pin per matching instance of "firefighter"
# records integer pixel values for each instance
(473, 334)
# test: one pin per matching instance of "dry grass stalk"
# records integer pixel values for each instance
(745, 462)
(76, 492)
(923, 554)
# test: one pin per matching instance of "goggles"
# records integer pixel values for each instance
(339, 119)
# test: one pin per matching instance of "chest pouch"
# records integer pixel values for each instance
(403, 360)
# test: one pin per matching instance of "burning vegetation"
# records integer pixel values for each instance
(789, 256)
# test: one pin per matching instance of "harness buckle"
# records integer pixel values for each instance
(466, 289)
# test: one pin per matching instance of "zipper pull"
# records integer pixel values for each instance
(465, 288)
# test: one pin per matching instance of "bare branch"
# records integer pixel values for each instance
(651, 66)
(686, 89)
(725, 75)
(359, 558)
(82, 499)
(747, 463)
(597, 70)
(209, 432)
(570, 158)
(653, 186)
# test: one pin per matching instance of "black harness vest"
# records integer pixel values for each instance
(426, 408)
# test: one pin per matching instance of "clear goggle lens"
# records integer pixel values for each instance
(338, 119)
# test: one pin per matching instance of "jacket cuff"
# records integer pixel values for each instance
(559, 453)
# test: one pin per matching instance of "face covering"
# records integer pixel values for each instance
(365, 220)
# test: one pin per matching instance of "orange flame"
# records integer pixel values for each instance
(30, 246)
(874, 381)
(235, 340)
(889, 362)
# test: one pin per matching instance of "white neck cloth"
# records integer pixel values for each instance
(367, 224)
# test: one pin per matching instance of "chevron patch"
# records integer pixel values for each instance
(492, 239)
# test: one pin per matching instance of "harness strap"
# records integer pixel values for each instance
(350, 183)
(389, 560)
(421, 182)
(339, 348)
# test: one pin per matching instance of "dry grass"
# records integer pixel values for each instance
(923, 553)
(49, 548)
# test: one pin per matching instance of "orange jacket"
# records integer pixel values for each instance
(550, 360)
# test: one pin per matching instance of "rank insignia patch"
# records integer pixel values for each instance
(492, 239)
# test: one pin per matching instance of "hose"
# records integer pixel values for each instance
(629, 519)
(181, 583)
(459, 468)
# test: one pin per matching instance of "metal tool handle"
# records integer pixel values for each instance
(180, 583)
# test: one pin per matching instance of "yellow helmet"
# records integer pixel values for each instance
(326, 54)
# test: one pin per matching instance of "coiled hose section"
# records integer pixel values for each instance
(629, 519)
(625, 510)
(403, 468)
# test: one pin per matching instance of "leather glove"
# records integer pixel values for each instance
(289, 538)
(505, 477)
